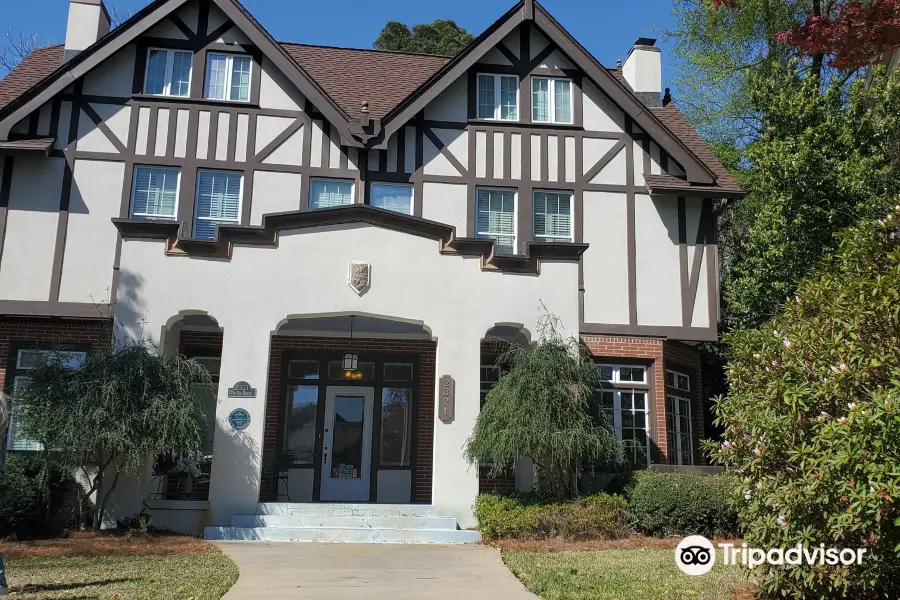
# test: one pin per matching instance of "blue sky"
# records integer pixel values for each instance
(607, 28)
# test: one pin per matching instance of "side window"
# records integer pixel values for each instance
(228, 77)
(498, 97)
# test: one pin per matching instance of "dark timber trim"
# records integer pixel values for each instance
(68, 310)
(691, 334)
(267, 235)
(5, 189)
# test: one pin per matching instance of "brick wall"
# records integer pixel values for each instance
(199, 343)
(659, 355)
(427, 352)
(95, 335)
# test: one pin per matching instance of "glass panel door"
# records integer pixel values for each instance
(347, 450)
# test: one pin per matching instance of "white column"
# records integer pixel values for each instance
(455, 482)
(237, 455)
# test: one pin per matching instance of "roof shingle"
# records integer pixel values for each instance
(28, 73)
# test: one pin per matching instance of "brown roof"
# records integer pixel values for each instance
(30, 72)
(29, 145)
(352, 76)
(672, 118)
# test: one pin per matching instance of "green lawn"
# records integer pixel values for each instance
(204, 576)
(619, 575)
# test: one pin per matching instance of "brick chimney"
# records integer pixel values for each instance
(88, 22)
(643, 71)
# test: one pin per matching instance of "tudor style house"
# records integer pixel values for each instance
(346, 238)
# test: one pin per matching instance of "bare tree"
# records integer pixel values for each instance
(118, 15)
(15, 47)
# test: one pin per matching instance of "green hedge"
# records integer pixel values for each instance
(31, 499)
(600, 516)
(683, 504)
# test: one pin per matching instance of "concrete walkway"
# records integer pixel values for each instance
(281, 570)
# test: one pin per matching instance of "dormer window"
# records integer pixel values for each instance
(228, 77)
(168, 73)
(498, 97)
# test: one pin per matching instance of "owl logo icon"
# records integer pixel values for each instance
(695, 555)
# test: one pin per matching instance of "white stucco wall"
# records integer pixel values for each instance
(259, 287)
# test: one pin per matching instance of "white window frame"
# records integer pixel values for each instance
(674, 401)
(336, 180)
(134, 183)
(617, 412)
(498, 86)
(240, 210)
(32, 446)
(487, 235)
(551, 91)
(538, 237)
(617, 375)
(412, 193)
(674, 381)
(229, 71)
(170, 65)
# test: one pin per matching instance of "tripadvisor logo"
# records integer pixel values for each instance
(695, 555)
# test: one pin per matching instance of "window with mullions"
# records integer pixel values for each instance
(219, 196)
(551, 100)
(552, 216)
(27, 360)
(228, 77)
(678, 419)
(155, 193)
(495, 217)
(627, 408)
(498, 97)
(168, 73)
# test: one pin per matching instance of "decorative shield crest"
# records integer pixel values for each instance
(360, 276)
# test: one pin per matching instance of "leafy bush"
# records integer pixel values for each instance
(601, 516)
(29, 495)
(812, 421)
(683, 504)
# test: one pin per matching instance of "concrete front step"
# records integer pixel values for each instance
(339, 509)
(336, 534)
(367, 521)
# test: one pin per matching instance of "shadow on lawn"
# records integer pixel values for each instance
(32, 588)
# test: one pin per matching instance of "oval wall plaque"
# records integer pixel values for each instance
(242, 389)
(239, 419)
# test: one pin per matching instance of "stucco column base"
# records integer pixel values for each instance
(237, 455)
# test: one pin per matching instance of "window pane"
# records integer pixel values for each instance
(181, 74)
(365, 371)
(509, 94)
(631, 374)
(606, 373)
(303, 369)
(562, 92)
(155, 193)
(486, 105)
(496, 217)
(156, 72)
(15, 440)
(398, 372)
(640, 401)
(540, 100)
(302, 401)
(218, 201)
(347, 437)
(240, 78)
(206, 396)
(397, 198)
(326, 193)
(395, 427)
(216, 76)
(553, 216)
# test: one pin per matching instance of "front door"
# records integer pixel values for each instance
(347, 447)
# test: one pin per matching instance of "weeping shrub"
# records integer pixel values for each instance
(541, 408)
(812, 421)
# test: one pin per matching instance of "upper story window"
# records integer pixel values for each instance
(228, 77)
(498, 97)
(495, 217)
(391, 196)
(553, 216)
(327, 193)
(551, 100)
(168, 73)
(219, 195)
(678, 381)
(27, 360)
(155, 193)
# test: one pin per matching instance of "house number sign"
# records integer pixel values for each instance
(239, 419)
(242, 389)
(447, 402)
